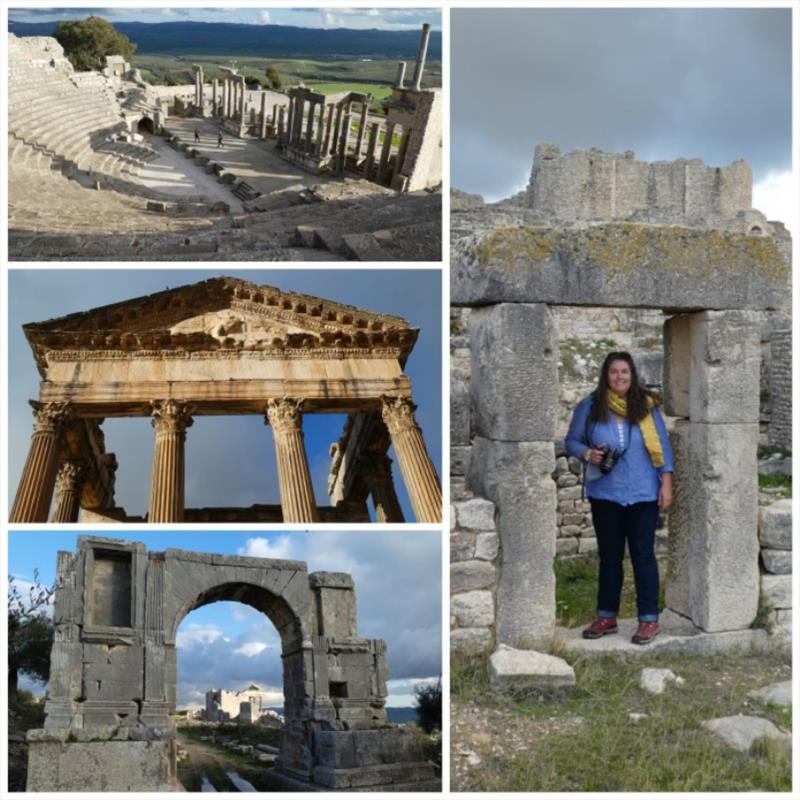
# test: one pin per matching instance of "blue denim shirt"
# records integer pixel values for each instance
(633, 479)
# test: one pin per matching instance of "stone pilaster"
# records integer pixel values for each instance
(418, 471)
(171, 418)
(285, 417)
(69, 483)
(386, 152)
(378, 477)
(35, 491)
(242, 96)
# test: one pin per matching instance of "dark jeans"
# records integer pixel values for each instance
(615, 524)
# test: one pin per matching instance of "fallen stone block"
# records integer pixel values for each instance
(741, 732)
(776, 694)
(513, 671)
(655, 681)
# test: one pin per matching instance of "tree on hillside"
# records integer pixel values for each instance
(30, 631)
(87, 42)
(428, 705)
(273, 78)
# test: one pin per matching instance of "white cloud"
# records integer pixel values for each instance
(258, 547)
(776, 196)
(329, 20)
(250, 649)
(198, 634)
(265, 17)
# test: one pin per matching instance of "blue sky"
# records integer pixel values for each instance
(230, 461)
(319, 17)
(230, 645)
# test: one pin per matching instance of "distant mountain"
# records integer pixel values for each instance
(271, 41)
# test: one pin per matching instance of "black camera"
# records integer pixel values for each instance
(610, 458)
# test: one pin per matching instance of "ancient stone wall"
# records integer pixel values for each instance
(775, 540)
(780, 386)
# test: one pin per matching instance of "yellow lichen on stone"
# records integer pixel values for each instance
(515, 246)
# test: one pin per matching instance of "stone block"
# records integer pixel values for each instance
(775, 525)
(476, 514)
(472, 609)
(677, 365)
(487, 546)
(459, 460)
(778, 694)
(462, 546)
(742, 732)
(776, 591)
(459, 410)
(468, 575)
(658, 266)
(587, 545)
(726, 363)
(514, 383)
(777, 562)
(516, 476)
(714, 575)
(514, 671)
(567, 546)
(470, 640)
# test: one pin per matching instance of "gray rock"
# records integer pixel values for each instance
(472, 609)
(528, 672)
(468, 575)
(775, 466)
(487, 545)
(470, 640)
(741, 732)
(775, 525)
(777, 562)
(776, 591)
(776, 694)
(655, 681)
(476, 514)
(459, 460)
(459, 410)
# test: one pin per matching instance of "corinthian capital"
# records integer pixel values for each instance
(69, 475)
(284, 414)
(171, 416)
(398, 414)
(50, 417)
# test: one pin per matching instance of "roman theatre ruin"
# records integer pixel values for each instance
(103, 165)
(113, 674)
(225, 347)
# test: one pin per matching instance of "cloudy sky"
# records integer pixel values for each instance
(230, 645)
(230, 461)
(322, 16)
(665, 83)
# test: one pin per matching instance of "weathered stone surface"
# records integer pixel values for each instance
(514, 372)
(513, 671)
(777, 562)
(516, 476)
(462, 546)
(468, 575)
(776, 591)
(487, 546)
(459, 460)
(472, 609)
(476, 514)
(459, 410)
(657, 266)
(470, 640)
(654, 681)
(775, 525)
(777, 694)
(725, 363)
(714, 576)
(741, 732)
(677, 364)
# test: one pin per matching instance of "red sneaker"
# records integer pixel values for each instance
(601, 626)
(645, 633)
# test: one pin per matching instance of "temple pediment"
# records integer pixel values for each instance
(223, 313)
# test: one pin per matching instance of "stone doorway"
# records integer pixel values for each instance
(145, 125)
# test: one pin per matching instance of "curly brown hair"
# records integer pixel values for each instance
(637, 395)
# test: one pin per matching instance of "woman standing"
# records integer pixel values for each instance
(620, 435)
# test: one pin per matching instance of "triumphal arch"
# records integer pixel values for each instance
(222, 347)
(113, 673)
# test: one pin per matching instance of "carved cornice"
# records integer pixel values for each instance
(284, 414)
(50, 417)
(171, 416)
(398, 414)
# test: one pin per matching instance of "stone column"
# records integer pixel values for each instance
(225, 96)
(320, 130)
(242, 96)
(201, 97)
(328, 128)
(712, 369)
(263, 134)
(69, 483)
(171, 418)
(378, 476)
(344, 137)
(35, 490)
(421, 56)
(362, 126)
(418, 471)
(214, 97)
(312, 107)
(402, 150)
(371, 143)
(336, 130)
(281, 123)
(385, 152)
(289, 119)
(401, 75)
(297, 495)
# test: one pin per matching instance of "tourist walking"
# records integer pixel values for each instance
(219, 140)
(620, 435)
(196, 135)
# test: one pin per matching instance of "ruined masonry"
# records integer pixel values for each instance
(225, 346)
(113, 673)
(604, 230)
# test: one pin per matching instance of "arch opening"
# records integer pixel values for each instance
(145, 125)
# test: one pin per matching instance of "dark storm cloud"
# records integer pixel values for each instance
(713, 84)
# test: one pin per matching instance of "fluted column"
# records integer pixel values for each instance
(378, 476)
(69, 483)
(418, 471)
(35, 491)
(285, 416)
(171, 418)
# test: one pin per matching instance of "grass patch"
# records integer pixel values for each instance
(602, 750)
(783, 482)
(378, 91)
(773, 449)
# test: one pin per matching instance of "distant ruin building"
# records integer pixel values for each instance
(246, 707)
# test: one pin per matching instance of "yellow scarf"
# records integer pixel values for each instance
(652, 441)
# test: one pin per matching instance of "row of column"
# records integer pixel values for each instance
(234, 90)
(44, 468)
